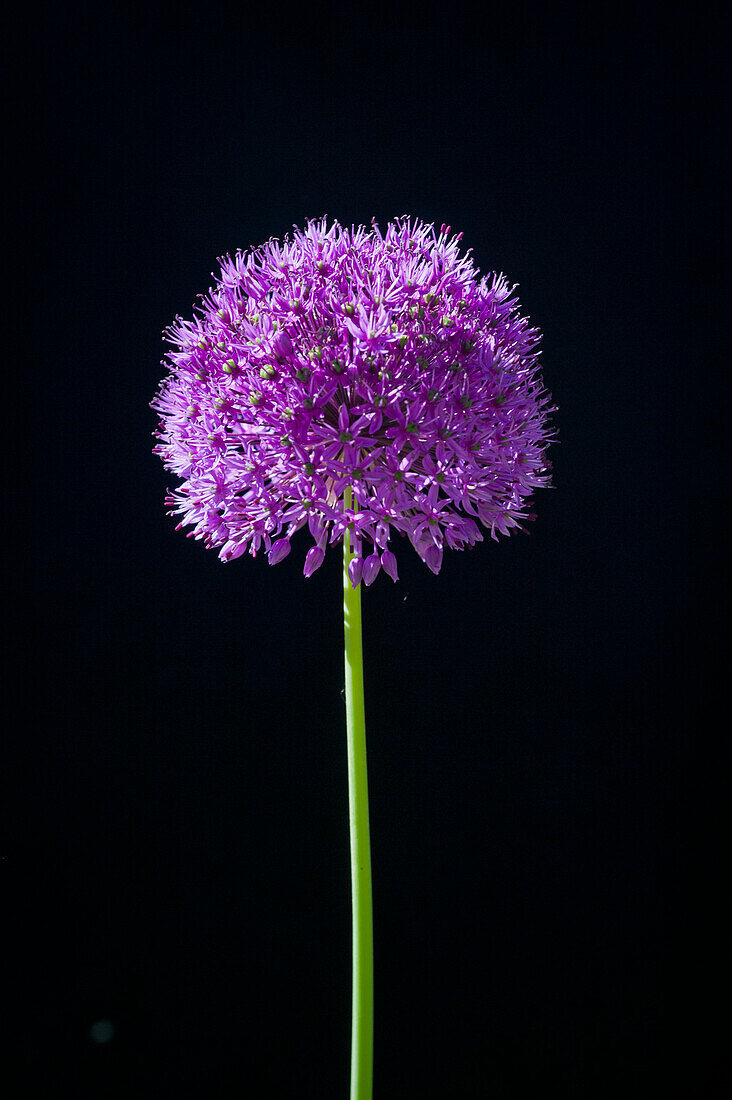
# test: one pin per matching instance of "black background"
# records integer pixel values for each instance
(176, 848)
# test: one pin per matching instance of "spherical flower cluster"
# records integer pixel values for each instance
(351, 358)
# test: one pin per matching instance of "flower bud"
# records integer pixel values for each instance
(389, 562)
(433, 558)
(313, 560)
(279, 551)
(371, 567)
(355, 569)
(282, 346)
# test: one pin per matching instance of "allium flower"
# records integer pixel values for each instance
(347, 357)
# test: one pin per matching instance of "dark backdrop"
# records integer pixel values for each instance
(176, 845)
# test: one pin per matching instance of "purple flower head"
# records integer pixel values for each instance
(351, 357)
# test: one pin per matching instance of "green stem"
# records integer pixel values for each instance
(362, 1019)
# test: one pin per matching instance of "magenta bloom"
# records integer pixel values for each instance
(348, 357)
